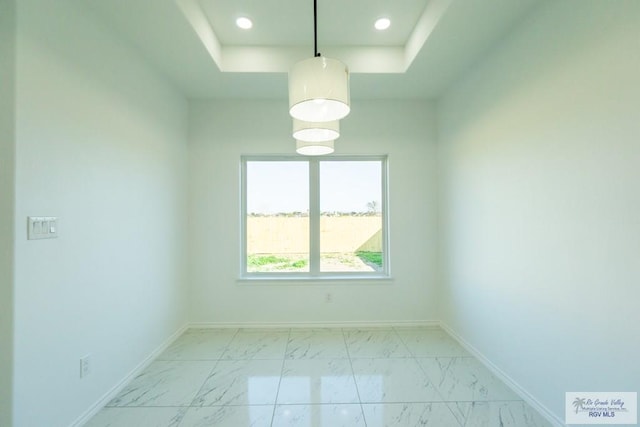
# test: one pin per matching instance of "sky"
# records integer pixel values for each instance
(283, 186)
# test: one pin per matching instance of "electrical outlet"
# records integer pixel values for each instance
(328, 298)
(85, 365)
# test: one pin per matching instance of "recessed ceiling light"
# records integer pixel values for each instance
(244, 23)
(382, 24)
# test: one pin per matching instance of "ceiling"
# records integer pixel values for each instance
(197, 46)
(340, 22)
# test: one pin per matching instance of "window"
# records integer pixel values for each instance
(314, 217)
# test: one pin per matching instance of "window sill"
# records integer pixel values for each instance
(344, 280)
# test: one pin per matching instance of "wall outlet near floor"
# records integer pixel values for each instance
(328, 298)
(85, 365)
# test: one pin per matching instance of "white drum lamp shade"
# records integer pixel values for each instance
(316, 132)
(314, 148)
(319, 90)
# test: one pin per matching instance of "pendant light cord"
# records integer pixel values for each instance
(315, 29)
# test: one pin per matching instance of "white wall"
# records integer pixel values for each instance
(540, 156)
(101, 143)
(7, 202)
(221, 131)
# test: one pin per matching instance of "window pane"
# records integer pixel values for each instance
(351, 216)
(277, 216)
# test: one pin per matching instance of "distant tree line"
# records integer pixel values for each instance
(373, 209)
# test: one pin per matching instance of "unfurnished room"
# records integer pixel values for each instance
(319, 213)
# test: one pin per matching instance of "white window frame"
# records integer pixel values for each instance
(314, 272)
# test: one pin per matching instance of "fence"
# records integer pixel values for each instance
(290, 235)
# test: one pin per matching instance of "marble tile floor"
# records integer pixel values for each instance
(376, 377)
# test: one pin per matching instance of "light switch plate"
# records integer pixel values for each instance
(42, 227)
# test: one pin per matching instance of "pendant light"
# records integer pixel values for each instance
(318, 86)
(316, 132)
(314, 148)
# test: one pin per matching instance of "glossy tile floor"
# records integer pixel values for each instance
(316, 377)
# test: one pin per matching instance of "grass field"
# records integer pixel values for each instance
(329, 262)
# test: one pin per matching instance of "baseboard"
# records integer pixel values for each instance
(113, 392)
(513, 385)
(309, 325)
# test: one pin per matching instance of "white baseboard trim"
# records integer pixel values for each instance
(113, 392)
(513, 385)
(310, 325)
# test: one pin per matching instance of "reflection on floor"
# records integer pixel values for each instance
(316, 377)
